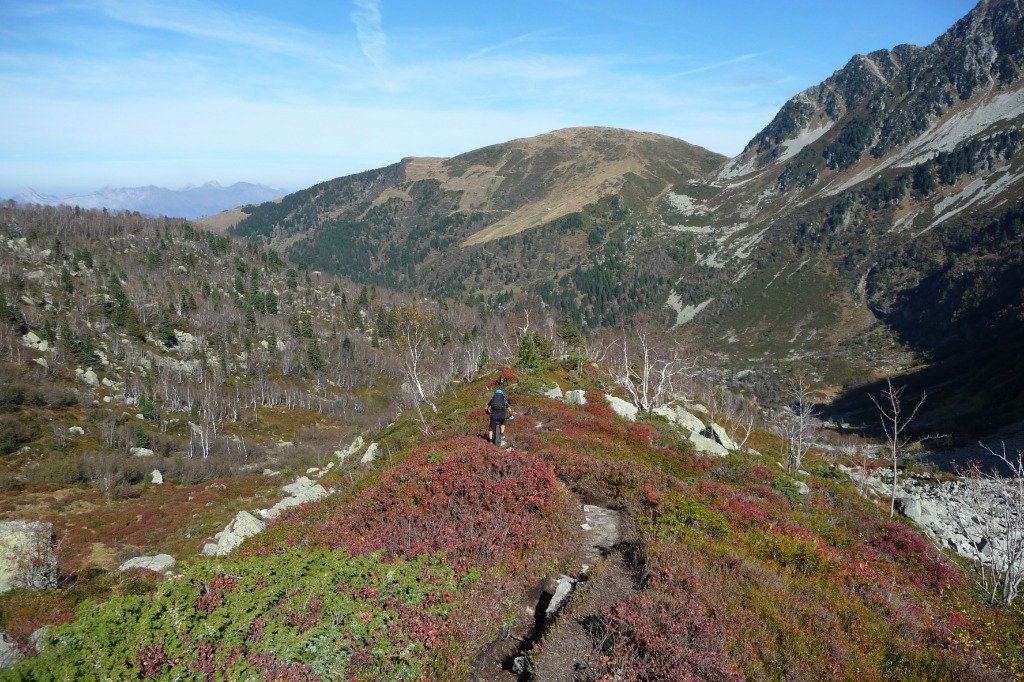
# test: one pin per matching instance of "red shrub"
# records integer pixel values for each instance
(151, 660)
(479, 505)
(25, 611)
(641, 433)
(507, 376)
(906, 547)
(212, 594)
(205, 661)
(673, 638)
(598, 406)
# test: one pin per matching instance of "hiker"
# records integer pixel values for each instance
(499, 410)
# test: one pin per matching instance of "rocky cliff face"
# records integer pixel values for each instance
(883, 101)
(890, 192)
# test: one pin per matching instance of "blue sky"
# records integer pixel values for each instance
(177, 92)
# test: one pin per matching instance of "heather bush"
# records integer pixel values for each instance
(925, 566)
(672, 636)
(462, 497)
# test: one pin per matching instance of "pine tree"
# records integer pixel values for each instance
(527, 356)
(67, 285)
(165, 331)
(85, 351)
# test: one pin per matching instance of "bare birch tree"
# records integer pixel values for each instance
(801, 421)
(992, 506)
(652, 369)
(414, 329)
(895, 420)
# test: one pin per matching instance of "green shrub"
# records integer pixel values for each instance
(59, 470)
(141, 437)
(301, 615)
(15, 431)
(677, 515)
(796, 553)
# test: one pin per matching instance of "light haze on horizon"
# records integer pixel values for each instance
(129, 93)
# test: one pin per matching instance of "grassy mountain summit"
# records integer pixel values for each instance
(467, 226)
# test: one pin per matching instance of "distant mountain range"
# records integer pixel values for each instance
(188, 202)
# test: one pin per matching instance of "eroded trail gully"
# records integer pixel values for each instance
(558, 632)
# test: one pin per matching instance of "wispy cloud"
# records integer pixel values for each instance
(718, 65)
(203, 89)
(367, 18)
(511, 42)
(201, 21)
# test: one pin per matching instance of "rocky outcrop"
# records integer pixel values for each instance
(31, 340)
(623, 408)
(680, 416)
(706, 446)
(244, 525)
(159, 563)
(576, 397)
(720, 436)
(303, 490)
(554, 392)
(352, 449)
(88, 376)
(968, 521)
(28, 555)
(369, 455)
(9, 653)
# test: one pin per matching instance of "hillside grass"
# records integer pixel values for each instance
(744, 575)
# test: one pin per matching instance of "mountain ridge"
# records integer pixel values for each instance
(784, 251)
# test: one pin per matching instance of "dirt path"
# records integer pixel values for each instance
(562, 612)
